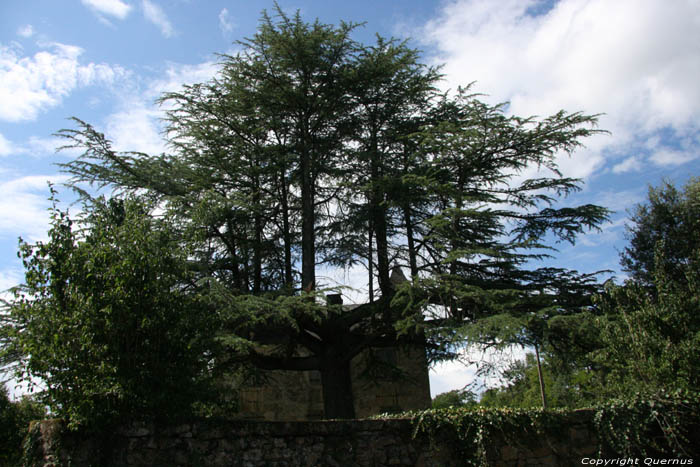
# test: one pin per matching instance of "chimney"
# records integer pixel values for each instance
(334, 299)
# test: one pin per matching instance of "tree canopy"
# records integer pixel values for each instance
(309, 150)
(669, 220)
(650, 332)
(642, 336)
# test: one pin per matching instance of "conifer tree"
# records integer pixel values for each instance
(311, 150)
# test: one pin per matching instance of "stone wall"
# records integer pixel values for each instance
(317, 443)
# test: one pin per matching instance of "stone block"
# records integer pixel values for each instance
(211, 433)
(137, 432)
(509, 453)
(279, 442)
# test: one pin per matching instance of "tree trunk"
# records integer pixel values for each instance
(286, 234)
(257, 247)
(455, 243)
(338, 400)
(380, 233)
(308, 253)
(370, 262)
(408, 220)
(541, 377)
(378, 214)
(410, 240)
(230, 241)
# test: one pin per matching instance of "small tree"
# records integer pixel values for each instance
(566, 387)
(650, 331)
(651, 338)
(106, 318)
(670, 216)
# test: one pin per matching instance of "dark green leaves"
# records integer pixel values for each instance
(106, 317)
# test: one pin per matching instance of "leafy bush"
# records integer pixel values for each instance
(566, 387)
(651, 335)
(107, 319)
(14, 423)
(642, 425)
(455, 398)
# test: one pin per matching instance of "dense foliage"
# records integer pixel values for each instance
(106, 318)
(651, 338)
(309, 151)
(669, 221)
(641, 337)
(14, 423)
(661, 426)
(572, 388)
(455, 398)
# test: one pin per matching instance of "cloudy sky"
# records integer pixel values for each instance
(635, 62)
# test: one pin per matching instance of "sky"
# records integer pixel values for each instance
(634, 62)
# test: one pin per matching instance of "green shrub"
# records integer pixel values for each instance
(14, 423)
(107, 318)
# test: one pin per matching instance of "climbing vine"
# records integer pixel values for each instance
(659, 425)
(650, 425)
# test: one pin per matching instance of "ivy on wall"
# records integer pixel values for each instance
(659, 425)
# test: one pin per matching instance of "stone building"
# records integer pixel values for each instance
(296, 395)
(399, 382)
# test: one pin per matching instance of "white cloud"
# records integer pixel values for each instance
(137, 125)
(115, 8)
(636, 61)
(451, 375)
(619, 201)
(36, 147)
(136, 128)
(352, 281)
(177, 75)
(29, 85)
(23, 206)
(631, 164)
(225, 23)
(6, 147)
(671, 157)
(9, 278)
(41, 147)
(26, 31)
(448, 376)
(157, 16)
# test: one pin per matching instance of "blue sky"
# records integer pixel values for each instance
(637, 62)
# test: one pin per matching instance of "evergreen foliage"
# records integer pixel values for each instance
(309, 148)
